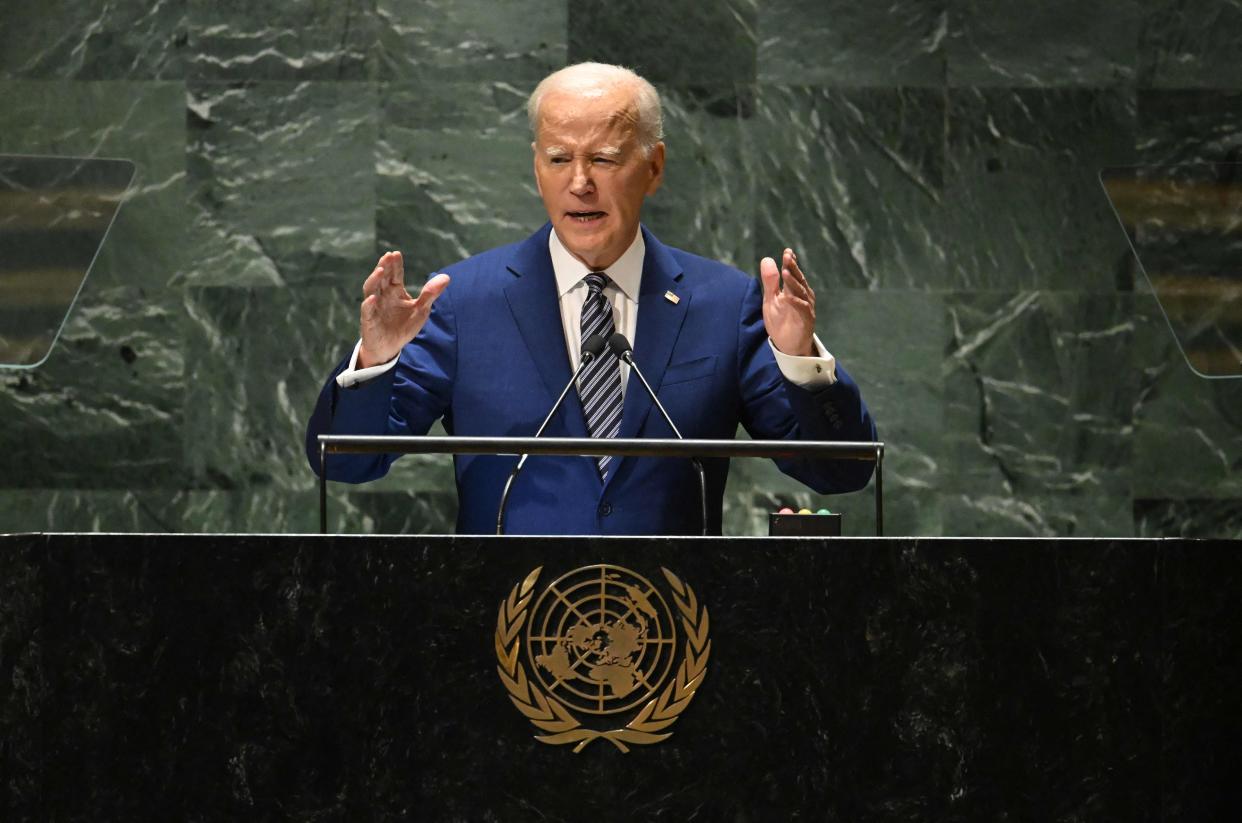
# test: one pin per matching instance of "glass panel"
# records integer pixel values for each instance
(1185, 227)
(54, 215)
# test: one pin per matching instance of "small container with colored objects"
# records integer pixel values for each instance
(804, 523)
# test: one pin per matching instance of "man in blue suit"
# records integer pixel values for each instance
(490, 354)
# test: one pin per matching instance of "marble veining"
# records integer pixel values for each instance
(839, 43)
(1189, 45)
(1057, 44)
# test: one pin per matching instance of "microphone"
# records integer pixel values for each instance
(591, 349)
(622, 349)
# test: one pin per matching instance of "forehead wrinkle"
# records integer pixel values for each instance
(627, 115)
(602, 141)
(561, 109)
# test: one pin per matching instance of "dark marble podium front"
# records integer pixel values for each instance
(243, 677)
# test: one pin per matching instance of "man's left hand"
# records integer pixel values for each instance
(788, 305)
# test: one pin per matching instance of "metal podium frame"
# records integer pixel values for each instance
(594, 447)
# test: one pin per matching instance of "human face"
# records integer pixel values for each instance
(591, 171)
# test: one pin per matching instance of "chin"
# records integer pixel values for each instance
(582, 243)
(588, 255)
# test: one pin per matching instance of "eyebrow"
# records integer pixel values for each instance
(611, 151)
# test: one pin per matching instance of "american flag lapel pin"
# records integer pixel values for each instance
(672, 298)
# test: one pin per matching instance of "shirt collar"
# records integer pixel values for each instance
(627, 272)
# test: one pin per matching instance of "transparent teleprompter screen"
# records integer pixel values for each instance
(1184, 224)
(55, 213)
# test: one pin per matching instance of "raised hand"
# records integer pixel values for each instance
(390, 318)
(788, 305)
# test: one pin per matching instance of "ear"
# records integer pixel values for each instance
(534, 164)
(656, 163)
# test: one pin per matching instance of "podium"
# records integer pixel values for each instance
(227, 677)
(597, 446)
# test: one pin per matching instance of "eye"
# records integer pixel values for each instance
(558, 161)
(604, 161)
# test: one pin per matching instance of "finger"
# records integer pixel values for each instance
(369, 310)
(798, 304)
(374, 282)
(394, 266)
(385, 264)
(791, 263)
(770, 276)
(432, 289)
(796, 282)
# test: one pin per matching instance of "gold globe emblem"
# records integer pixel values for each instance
(600, 641)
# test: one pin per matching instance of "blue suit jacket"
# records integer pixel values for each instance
(491, 360)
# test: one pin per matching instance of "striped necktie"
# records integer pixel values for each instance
(599, 386)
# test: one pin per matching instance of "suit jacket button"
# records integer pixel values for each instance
(605, 509)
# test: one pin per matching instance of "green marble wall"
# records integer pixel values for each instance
(933, 162)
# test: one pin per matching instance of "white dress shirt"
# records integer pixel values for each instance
(622, 293)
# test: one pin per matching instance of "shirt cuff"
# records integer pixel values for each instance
(352, 375)
(811, 372)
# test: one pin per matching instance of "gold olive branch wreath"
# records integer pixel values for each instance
(549, 715)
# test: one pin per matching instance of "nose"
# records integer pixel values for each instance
(581, 183)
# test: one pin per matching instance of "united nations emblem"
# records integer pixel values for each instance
(601, 643)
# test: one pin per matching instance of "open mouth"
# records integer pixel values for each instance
(586, 216)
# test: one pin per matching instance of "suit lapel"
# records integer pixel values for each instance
(536, 310)
(659, 324)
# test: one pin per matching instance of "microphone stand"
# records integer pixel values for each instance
(591, 349)
(621, 348)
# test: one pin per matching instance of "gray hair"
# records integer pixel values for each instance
(650, 119)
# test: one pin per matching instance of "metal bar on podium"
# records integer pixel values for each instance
(595, 447)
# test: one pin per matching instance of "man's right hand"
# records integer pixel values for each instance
(390, 318)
